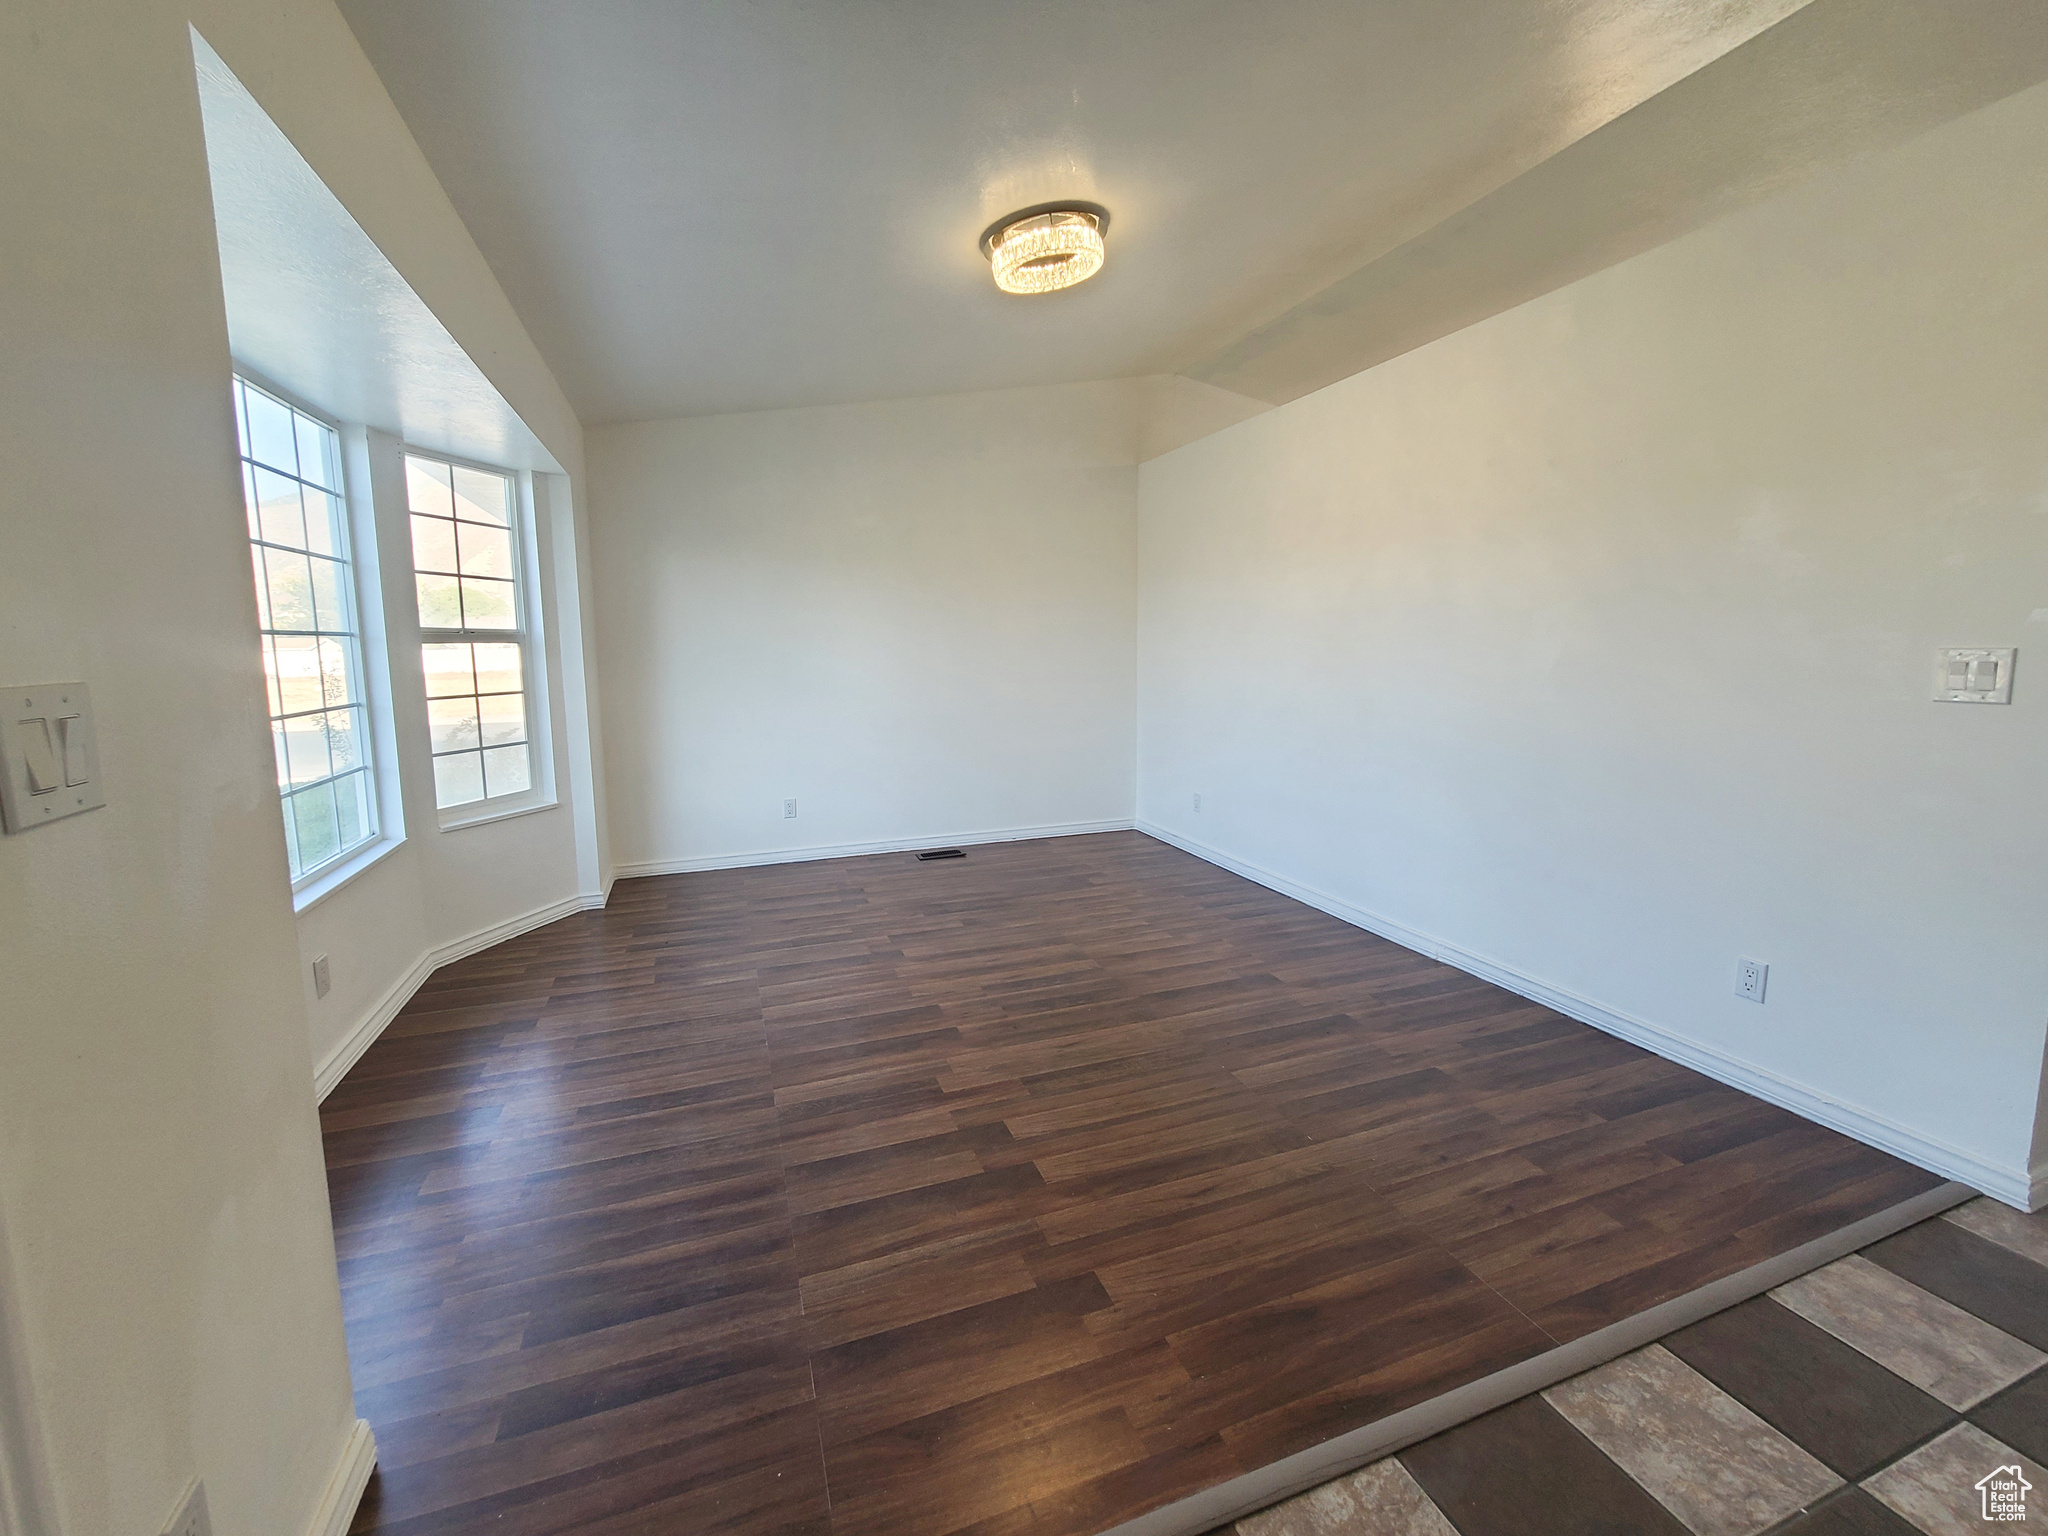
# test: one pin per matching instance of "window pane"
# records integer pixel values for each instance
(507, 771)
(501, 719)
(440, 602)
(481, 496)
(305, 745)
(344, 740)
(277, 510)
(458, 779)
(485, 551)
(466, 573)
(313, 810)
(291, 477)
(315, 451)
(498, 669)
(433, 544)
(271, 438)
(448, 668)
(335, 671)
(291, 841)
(270, 676)
(352, 808)
(249, 500)
(427, 488)
(323, 524)
(451, 724)
(298, 674)
(486, 604)
(291, 590)
(328, 612)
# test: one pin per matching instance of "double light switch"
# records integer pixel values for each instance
(52, 767)
(1966, 675)
(57, 762)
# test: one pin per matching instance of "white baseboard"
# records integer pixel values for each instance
(644, 868)
(2010, 1184)
(352, 1471)
(335, 1065)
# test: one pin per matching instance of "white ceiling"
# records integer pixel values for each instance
(1837, 79)
(315, 309)
(701, 207)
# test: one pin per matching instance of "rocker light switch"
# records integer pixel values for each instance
(71, 733)
(49, 755)
(38, 757)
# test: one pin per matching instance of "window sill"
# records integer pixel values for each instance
(455, 818)
(325, 885)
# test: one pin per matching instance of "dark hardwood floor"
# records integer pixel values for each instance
(1017, 1194)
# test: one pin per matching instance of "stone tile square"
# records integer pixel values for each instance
(1379, 1500)
(1710, 1461)
(1932, 1343)
(1935, 1488)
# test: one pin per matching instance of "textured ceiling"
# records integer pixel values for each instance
(1837, 79)
(703, 207)
(315, 309)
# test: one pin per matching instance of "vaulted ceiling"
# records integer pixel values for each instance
(700, 207)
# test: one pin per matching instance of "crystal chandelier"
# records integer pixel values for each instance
(1038, 252)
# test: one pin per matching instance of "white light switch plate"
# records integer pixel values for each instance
(49, 754)
(1971, 675)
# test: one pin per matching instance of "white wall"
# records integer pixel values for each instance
(1596, 643)
(315, 306)
(447, 892)
(1173, 410)
(915, 617)
(160, 1163)
(169, 1293)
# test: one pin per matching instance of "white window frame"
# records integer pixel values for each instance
(386, 818)
(527, 634)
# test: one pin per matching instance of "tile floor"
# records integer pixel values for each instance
(1865, 1399)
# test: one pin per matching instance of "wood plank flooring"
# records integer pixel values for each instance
(1022, 1193)
(1777, 1417)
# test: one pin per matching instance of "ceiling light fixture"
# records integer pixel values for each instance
(1040, 250)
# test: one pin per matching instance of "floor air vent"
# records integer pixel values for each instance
(930, 854)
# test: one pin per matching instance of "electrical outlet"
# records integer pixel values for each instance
(1198, 802)
(191, 1518)
(789, 809)
(323, 979)
(1750, 977)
